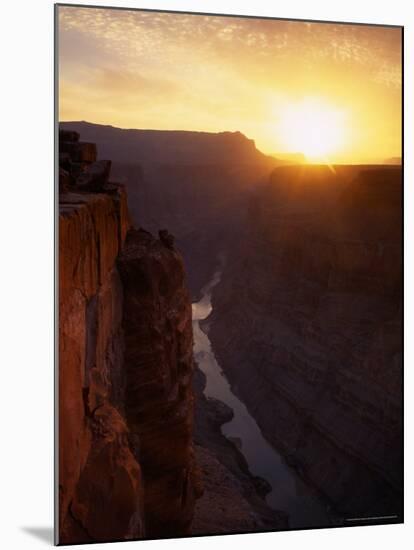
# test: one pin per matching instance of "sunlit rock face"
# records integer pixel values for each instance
(97, 471)
(126, 461)
(307, 325)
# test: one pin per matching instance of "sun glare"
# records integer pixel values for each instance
(314, 128)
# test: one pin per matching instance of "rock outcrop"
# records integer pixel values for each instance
(158, 371)
(306, 323)
(126, 459)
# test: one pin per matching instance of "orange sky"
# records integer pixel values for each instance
(137, 69)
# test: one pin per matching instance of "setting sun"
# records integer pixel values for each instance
(326, 90)
(313, 127)
(244, 232)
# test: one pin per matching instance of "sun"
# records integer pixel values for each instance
(312, 127)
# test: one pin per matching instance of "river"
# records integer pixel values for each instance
(289, 493)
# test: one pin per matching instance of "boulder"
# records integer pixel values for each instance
(79, 151)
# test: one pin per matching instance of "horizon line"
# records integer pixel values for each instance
(274, 155)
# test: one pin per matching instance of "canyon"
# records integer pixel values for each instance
(303, 330)
(128, 466)
(196, 184)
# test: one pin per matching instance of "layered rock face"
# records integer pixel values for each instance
(306, 324)
(126, 466)
(97, 470)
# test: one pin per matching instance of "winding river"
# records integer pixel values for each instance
(289, 493)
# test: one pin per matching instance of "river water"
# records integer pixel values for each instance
(289, 493)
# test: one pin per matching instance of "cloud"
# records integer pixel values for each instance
(135, 35)
(150, 69)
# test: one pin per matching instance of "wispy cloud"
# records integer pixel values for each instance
(215, 72)
(134, 36)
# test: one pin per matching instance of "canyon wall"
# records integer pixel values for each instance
(196, 184)
(126, 458)
(306, 323)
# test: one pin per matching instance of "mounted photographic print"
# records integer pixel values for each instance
(229, 271)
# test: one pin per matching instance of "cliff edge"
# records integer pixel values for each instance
(126, 457)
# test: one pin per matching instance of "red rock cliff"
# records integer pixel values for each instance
(126, 467)
(158, 368)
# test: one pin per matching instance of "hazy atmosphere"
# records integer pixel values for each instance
(163, 71)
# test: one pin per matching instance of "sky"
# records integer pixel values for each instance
(329, 90)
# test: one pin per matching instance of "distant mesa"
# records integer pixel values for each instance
(393, 160)
(169, 146)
